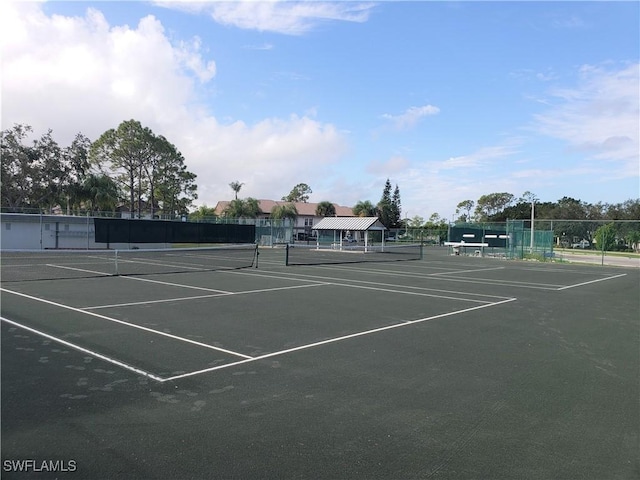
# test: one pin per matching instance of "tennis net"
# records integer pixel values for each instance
(333, 254)
(24, 265)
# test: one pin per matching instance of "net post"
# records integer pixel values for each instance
(257, 255)
(421, 250)
(286, 255)
(115, 262)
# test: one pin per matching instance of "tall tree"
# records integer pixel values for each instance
(171, 186)
(40, 175)
(176, 187)
(159, 153)
(299, 193)
(465, 206)
(75, 161)
(48, 185)
(236, 186)
(385, 206)
(492, 203)
(121, 152)
(148, 167)
(325, 209)
(568, 208)
(528, 197)
(17, 170)
(396, 209)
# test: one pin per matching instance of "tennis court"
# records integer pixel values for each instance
(429, 366)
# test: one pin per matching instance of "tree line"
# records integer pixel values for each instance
(608, 226)
(133, 167)
(128, 165)
(388, 209)
(500, 207)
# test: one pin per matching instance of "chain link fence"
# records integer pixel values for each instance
(549, 239)
(44, 231)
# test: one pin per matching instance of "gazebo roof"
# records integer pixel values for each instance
(349, 223)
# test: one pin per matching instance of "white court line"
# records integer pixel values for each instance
(179, 299)
(404, 292)
(171, 284)
(334, 340)
(592, 281)
(473, 270)
(64, 267)
(161, 264)
(510, 283)
(428, 276)
(132, 325)
(178, 264)
(341, 282)
(560, 270)
(85, 350)
(150, 302)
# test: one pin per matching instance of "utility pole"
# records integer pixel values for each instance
(533, 202)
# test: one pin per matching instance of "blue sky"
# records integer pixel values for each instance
(448, 100)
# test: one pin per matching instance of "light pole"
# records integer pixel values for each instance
(532, 198)
(533, 202)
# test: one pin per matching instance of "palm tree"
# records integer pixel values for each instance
(325, 209)
(364, 209)
(243, 208)
(101, 191)
(203, 212)
(236, 186)
(286, 211)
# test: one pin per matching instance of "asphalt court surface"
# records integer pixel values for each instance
(352, 329)
(222, 318)
(167, 326)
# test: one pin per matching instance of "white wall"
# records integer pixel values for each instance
(39, 232)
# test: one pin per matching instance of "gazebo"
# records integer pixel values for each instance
(345, 226)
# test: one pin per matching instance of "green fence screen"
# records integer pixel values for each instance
(519, 244)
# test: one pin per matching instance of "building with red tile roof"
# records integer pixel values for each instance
(306, 218)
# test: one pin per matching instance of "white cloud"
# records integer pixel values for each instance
(264, 46)
(269, 157)
(81, 74)
(479, 158)
(291, 18)
(571, 22)
(75, 74)
(600, 117)
(411, 116)
(389, 167)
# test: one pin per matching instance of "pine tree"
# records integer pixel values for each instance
(396, 208)
(385, 206)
